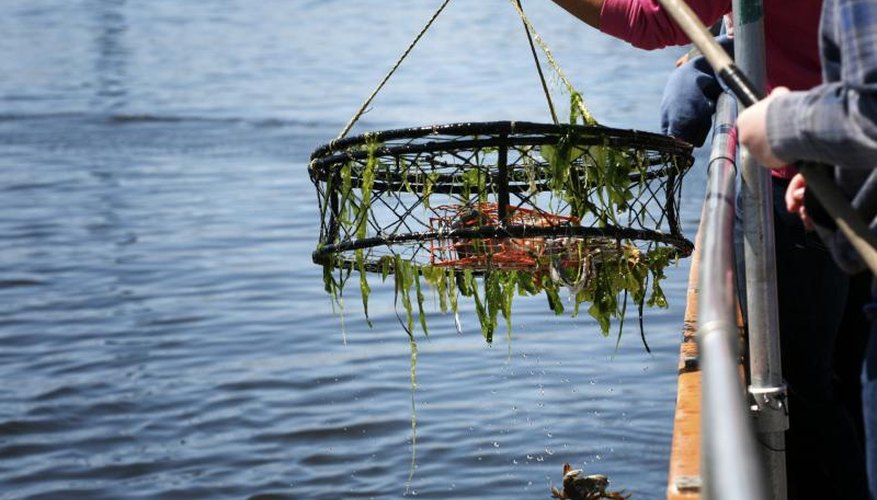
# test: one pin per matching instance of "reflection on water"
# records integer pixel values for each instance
(110, 54)
(163, 331)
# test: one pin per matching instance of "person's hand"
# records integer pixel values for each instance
(752, 130)
(795, 200)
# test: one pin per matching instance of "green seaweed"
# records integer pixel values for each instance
(364, 288)
(604, 280)
(592, 180)
(413, 465)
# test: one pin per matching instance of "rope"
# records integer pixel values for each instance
(586, 115)
(539, 70)
(531, 36)
(368, 101)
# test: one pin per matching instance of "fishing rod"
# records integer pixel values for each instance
(818, 180)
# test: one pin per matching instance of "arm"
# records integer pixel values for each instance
(835, 122)
(642, 23)
(586, 10)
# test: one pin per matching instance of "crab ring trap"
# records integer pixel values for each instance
(588, 207)
(476, 195)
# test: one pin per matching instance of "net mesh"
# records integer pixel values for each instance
(511, 195)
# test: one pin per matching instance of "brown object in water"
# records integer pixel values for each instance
(578, 486)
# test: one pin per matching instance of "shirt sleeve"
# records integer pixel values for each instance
(832, 123)
(835, 122)
(644, 24)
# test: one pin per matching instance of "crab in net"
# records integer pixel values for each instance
(568, 260)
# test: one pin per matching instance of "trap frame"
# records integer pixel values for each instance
(406, 192)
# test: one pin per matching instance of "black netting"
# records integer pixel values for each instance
(501, 194)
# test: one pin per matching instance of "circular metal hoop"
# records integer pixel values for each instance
(426, 194)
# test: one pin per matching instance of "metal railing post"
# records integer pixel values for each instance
(730, 465)
(767, 390)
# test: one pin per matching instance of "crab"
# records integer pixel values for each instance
(577, 486)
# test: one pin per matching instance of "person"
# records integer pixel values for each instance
(821, 444)
(688, 102)
(834, 123)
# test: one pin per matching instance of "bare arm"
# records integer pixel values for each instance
(642, 23)
(586, 10)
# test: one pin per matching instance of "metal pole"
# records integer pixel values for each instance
(767, 389)
(730, 462)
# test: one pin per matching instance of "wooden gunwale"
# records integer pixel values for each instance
(684, 479)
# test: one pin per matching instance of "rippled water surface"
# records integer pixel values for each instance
(163, 332)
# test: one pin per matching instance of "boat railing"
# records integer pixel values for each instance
(730, 464)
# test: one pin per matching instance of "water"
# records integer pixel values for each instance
(163, 332)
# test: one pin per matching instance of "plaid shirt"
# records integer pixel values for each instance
(836, 122)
